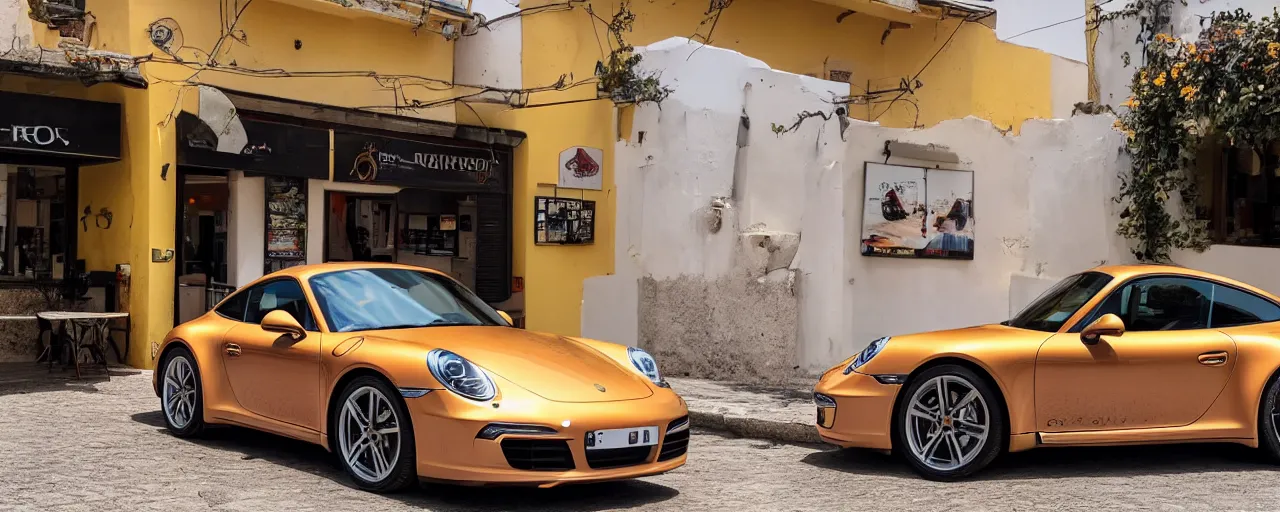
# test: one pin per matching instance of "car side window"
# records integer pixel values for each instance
(283, 294)
(234, 307)
(1160, 304)
(1232, 307)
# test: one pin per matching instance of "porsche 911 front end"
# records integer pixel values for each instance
(855, 410)
(522, 438)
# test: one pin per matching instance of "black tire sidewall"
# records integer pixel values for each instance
(1268, 441)
(405, 473)
(996, 437)
(196, 425)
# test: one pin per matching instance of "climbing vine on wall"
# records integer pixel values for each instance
(1224, 85)
(619, 77)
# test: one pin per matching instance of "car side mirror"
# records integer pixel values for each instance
(506, 317)
(1108, 325)
(283, 322)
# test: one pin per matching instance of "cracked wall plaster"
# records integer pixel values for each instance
(782, 287)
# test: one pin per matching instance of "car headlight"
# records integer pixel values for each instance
(863, 357)
(646, 365)
(460, 375)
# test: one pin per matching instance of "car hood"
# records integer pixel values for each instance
(550, 366)
(904, 353)
(983, 333)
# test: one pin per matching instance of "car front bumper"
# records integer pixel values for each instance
(448, 448)
(862, 416)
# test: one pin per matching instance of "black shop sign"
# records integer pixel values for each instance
(85, 131)
(452, 166)
(274, 149)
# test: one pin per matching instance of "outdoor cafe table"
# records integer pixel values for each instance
(82, 325)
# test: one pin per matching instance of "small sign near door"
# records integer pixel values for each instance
(286, 232)
(581, 167)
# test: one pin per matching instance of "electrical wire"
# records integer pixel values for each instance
(1037, 29)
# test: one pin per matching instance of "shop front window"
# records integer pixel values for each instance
(1240, 197)
(33, 222)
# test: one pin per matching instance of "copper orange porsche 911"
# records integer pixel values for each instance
(1111, 356)
(407, 375)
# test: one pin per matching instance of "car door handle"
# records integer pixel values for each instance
(1213, 358)
(233, 350)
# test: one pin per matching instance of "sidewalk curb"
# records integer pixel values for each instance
(753, 428)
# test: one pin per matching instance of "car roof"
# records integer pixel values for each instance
(1126, 272)
(305, 272)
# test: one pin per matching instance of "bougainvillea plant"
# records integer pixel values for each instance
(1223, 85)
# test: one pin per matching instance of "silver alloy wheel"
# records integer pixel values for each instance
(369, 434)
(179, 392)
(946, 411)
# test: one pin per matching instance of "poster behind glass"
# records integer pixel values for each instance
(917, 212)
(564, 221)
(286, 243)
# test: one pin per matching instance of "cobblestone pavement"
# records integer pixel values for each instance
(101, 447)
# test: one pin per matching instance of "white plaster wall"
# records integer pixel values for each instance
(687, 160)
(1042, 211)
(771, 187)
(667, 182)
(1069, 85)
(491, 56)
(246, 228)
(15, 26)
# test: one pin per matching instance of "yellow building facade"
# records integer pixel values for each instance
(387, 70)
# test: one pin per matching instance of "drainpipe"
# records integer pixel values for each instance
(1090, 43)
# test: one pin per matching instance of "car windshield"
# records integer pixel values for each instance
(1052, 308)
(392, 298)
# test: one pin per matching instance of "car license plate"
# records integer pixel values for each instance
(622, 438)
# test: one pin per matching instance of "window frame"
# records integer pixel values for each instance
(70, 233)
(1119, 288)
(248, 289)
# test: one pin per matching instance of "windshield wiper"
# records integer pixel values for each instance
(398, 326)
(445, 323)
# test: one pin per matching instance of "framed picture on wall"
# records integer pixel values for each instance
(564, 221)
(916, 212)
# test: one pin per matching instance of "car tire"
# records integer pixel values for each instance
(1268, 434)
(181, 393)
(971, 432)
(355, 442)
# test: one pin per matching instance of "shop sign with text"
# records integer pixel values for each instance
(365, 158)
(61, 127)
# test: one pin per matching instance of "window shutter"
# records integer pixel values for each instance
(493, 247)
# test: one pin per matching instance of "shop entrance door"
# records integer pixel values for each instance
(202, 243)
(360, 227)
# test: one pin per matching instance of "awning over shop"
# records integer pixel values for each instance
(264, 148)
(85, 132)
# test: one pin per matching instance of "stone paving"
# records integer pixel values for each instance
(777, 413)
(100, 446)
